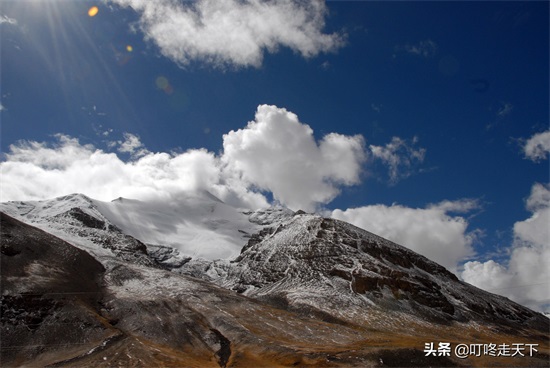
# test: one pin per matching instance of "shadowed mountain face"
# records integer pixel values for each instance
(304, 291)
(50, 291)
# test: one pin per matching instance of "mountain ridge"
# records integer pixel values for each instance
(346, 258)
(315, 271)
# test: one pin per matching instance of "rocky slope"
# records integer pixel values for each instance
(60, 307)
(331, 266)
(50, 292)
(304, 290)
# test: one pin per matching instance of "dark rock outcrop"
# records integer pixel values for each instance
(50, 292)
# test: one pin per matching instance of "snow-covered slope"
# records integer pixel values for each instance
(76, 219)
(326, 265)
(196, 225)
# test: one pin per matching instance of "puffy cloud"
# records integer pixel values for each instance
(539, 198)
(525, 276)
(400, 157)
(34, 170)
(538, 146)
(489, 275)
(429, 231)
(277, 153)
(535, 230)
(233, 32)
(274, 153)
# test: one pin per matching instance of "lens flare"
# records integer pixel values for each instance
(92, 12)
(129, 48)
(162, 83)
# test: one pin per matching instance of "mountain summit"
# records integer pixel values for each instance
(196, 282)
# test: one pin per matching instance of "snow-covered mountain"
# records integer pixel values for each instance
(320, 264)
(196, 282)
(197, 225)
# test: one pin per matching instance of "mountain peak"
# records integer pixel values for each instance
(358, 271)
(291, 288)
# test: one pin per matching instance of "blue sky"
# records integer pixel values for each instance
(442, 99)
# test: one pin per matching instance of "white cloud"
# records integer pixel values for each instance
(233, 32)
(132, 145)
(277, 153)
(274, 153)
(535, 229)
(34, 170)
(4, 19)
(490, 275)
(462, 206)
(538, 146)
(539, 198)
(525, 276)
(429, 231)
(400, 157)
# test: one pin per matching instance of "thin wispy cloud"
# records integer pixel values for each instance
(231, 32)
(375, 107)
(505, 109)
(425, 48)
(400, 156)
(466, 205)
(4, 19)
(132, 145)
